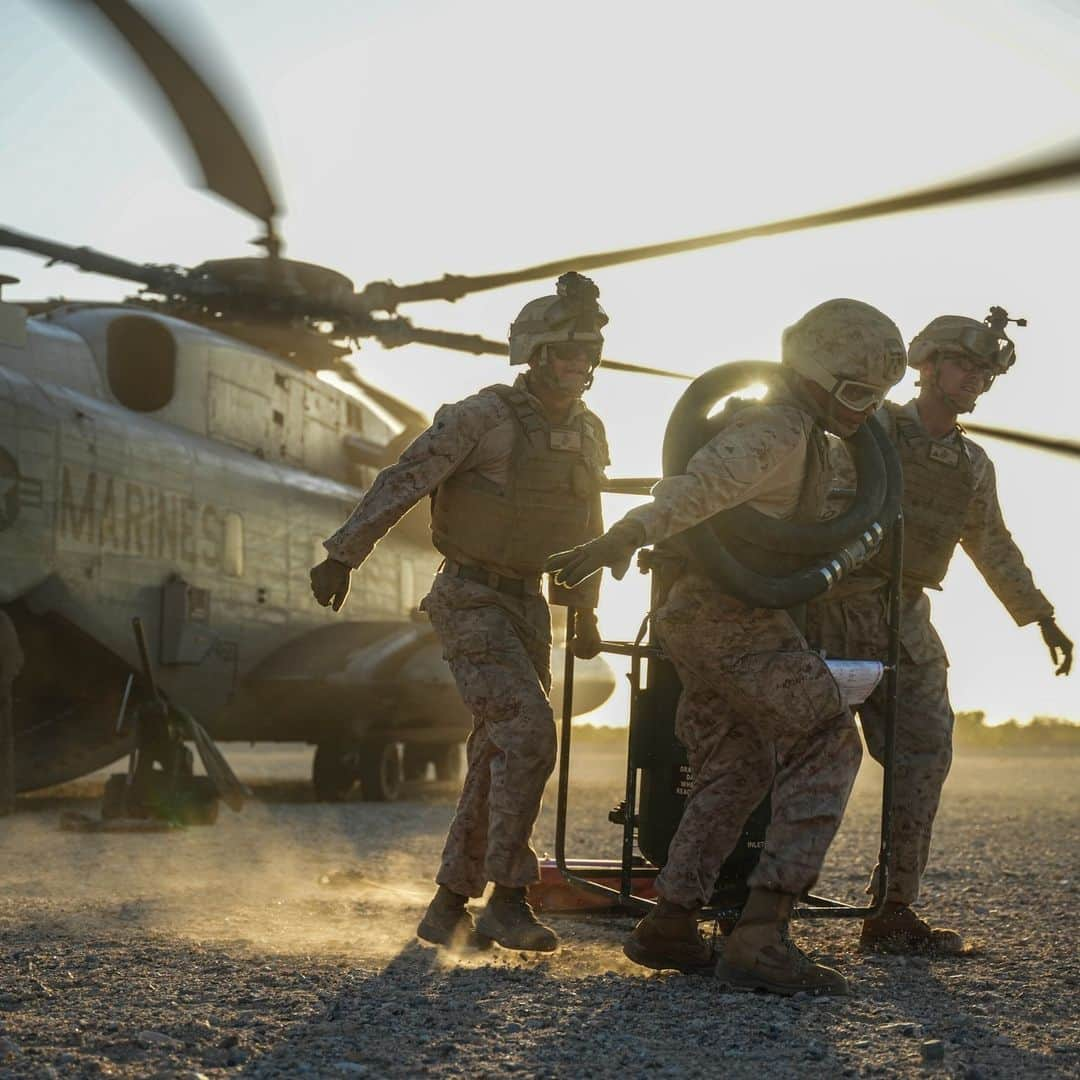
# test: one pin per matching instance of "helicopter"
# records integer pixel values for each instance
(178, 455)
(159, 459)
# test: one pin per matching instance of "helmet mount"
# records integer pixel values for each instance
(572, 314)
(985, 341)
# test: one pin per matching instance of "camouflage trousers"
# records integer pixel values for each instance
(856, 627)
(499, 650)
(758, 711)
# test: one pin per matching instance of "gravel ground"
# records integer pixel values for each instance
(216, 952)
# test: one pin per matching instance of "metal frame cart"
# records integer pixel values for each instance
(590, 874)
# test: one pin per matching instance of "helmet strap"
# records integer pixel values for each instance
(934, 387)
(540, 365)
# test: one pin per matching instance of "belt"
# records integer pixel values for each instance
(511, 586)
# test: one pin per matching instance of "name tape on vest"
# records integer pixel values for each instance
(944, 455)
(565, 439)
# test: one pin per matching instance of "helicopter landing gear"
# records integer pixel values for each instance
(446, 757)
(333, 772)
(184, 800)
(380, 771)
(160, 785)
(414, 762)
(447, 760)
(381, 766)
(376, 763)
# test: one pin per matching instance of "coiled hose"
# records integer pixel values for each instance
(834, 548)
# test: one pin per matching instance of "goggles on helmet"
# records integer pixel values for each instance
(982, 342)
(573, 350)
(857, 396)
(851, 393)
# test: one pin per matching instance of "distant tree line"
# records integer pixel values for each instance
(972, 732)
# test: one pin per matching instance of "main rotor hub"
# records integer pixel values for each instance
(278, 277)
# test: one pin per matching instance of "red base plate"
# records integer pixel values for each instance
(555, 894)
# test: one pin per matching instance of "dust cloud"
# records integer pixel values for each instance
(252, 880)
(285, 876)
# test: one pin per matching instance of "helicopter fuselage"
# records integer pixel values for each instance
(152, 467)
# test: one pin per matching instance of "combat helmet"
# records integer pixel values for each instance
(572, 314)
(850, 349)
(985, 341)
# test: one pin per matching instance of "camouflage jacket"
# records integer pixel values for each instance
(759, 459)
(474, 434)
(981, 527)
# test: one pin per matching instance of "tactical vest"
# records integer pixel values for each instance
(939, 483)
(551, 493)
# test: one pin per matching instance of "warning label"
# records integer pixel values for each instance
(682, 780)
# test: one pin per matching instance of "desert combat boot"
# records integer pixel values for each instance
(449, 922)
(509, 920)
(899, 930)
(759, 954)
(667, 939)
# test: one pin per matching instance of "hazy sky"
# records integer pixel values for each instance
(413, 139)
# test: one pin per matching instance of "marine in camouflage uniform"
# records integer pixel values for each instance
(11, 662)
(950, 499)
(759, 709)
(514, 473)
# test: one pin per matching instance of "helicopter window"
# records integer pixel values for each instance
(141, 363)
(280, 381)
(233, 555)
(279, 418)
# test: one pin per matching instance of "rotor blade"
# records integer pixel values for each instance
(1062, 164)
(163, 279)
(229, 166)
(395, 332)
(1038, 442)
(641, 369)
(391, 333)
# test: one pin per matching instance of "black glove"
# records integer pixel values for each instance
(615, 549)
(330, 582)
(1056, 640)
(586, 643)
